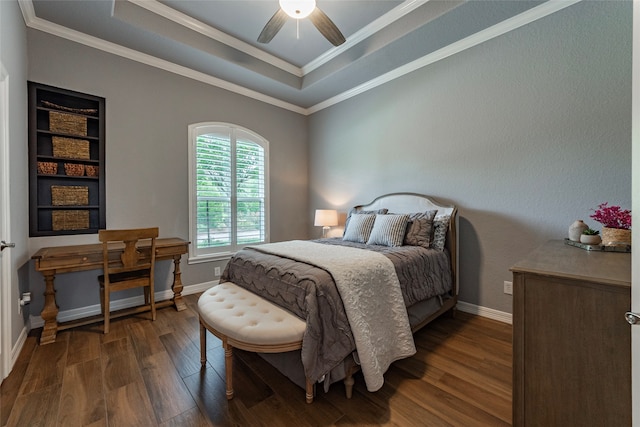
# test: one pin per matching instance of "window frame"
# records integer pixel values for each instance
(197, 255)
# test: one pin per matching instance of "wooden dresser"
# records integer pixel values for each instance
(571, 343)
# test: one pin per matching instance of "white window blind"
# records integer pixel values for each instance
(229, 174)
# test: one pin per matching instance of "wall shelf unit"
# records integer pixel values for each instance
(66, 161)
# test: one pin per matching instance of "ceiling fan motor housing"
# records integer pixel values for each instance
(298, 9)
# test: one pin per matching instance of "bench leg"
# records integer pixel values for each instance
(203, 344)
(309, 391)
(228, 367)
(348, 385)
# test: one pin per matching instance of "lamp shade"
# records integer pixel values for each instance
(326, 218)
(298, 8)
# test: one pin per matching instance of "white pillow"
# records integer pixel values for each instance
(359, 228)
(388, 230)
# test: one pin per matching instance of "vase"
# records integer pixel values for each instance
(576, 229)
(615, 236)
(590, 239)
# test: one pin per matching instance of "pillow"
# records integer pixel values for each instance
(353, 211)
(420, 229)
(388, 230)
(359, 228)
(440, 227)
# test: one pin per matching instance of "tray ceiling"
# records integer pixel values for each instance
(215, 41)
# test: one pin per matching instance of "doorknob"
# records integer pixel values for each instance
(4, 244)
(632, 318)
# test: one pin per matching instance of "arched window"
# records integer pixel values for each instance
(228, 183)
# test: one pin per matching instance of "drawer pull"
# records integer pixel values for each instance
(632, 318)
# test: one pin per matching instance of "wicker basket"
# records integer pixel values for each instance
(92, 111)
(69, 195)
(92, 170)
(70, 148)
(615, 236)
(74, 169)
(67, 123)
(47, 168)
(70, 220)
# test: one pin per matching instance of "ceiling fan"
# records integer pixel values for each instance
(300, 9)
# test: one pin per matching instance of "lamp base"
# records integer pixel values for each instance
(325, 230)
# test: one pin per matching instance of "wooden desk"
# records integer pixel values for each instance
(67, 259)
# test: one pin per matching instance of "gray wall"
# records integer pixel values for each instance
(147, 114)
(13, 56)
(524, 133)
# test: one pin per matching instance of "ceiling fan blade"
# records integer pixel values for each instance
(273, 26)
(326, 27)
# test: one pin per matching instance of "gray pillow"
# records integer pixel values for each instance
(440, 227)
(353, 211)
(420, 229)
(359, 228)
(388, 230)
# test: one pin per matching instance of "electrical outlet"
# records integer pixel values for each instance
(508, 287)
(216, 271)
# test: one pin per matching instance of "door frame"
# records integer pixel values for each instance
(5, 229)
(635, 202)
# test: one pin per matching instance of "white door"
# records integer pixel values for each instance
(5, 269)
(635, 239)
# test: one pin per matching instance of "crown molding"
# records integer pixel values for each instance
(501, 28)
(180, 18)
(533, 14)
(364, 33)
(193, 24)
(40, 24)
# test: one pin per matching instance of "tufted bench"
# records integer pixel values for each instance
(246, 321)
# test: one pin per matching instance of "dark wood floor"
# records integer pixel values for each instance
(148, 374)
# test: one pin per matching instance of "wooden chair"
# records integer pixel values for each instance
(134, 268)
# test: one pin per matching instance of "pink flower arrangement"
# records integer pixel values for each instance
(613, 216)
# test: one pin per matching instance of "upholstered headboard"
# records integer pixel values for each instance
(411, 203)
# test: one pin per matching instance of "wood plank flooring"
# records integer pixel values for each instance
(147, 373)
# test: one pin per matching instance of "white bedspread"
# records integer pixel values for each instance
(372, 298)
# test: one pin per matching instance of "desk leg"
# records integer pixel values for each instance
(177, 285)
(49, 312)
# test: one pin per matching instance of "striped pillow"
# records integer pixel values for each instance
(355, 211)
(388, 230)
(359, 228)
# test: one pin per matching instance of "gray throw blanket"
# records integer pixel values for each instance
(372, 299)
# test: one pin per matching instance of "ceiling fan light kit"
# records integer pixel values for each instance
(300, 9)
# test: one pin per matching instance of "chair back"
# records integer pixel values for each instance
(136, 252)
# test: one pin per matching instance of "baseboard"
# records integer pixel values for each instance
(93, 310)
(63, 316)
(17, 348)
(490, 313)
(200, 287)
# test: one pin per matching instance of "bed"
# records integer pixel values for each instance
(360, 294)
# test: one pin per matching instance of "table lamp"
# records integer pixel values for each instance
(326, 218)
